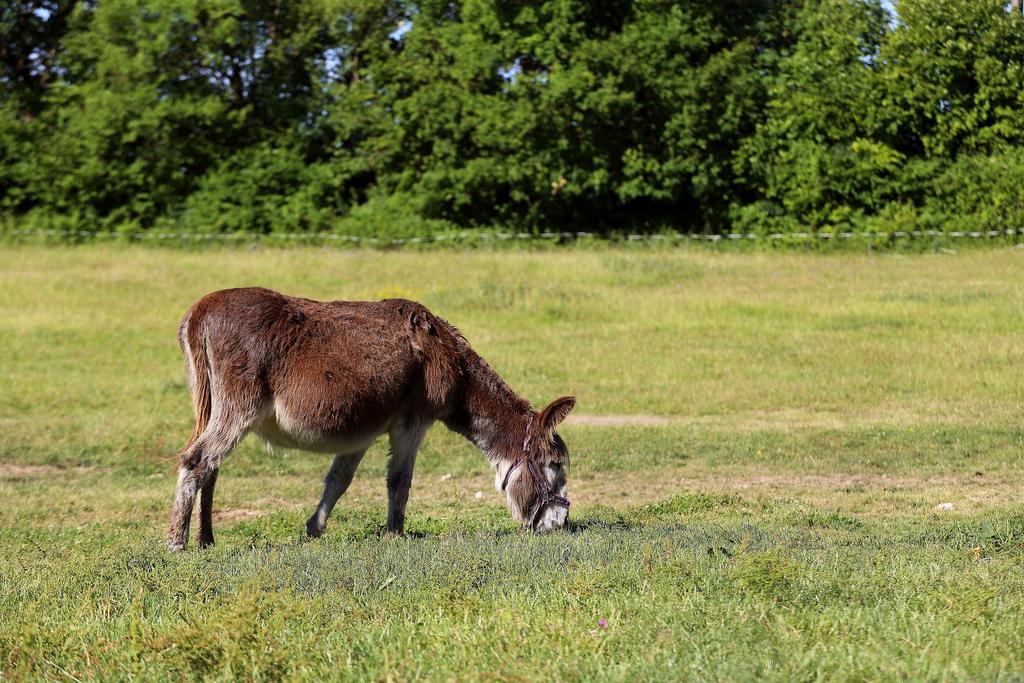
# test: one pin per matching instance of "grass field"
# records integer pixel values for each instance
(763, 455)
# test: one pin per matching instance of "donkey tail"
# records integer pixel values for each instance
(193, 345)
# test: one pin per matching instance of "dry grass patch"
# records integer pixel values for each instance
(20, 471)
(236, 514)
(867, 494)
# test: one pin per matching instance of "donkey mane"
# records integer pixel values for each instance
(489, 412)
(481, 373)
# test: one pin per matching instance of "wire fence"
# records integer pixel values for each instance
(470, 236)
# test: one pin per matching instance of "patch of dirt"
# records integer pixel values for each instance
(779, 420)
(236, 514)
(619, 420)
(771, 420)
(837, 481)
(865, 493)
(751, 421)
(13, 471)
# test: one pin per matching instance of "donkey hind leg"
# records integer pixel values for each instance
(199, 463)
(335, 484)
(405, 439)
(206, 510)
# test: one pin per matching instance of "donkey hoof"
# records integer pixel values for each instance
(176, 546)
(314, 530)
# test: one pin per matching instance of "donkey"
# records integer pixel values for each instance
(331, 377)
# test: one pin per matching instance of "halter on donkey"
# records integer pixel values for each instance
(547, 496)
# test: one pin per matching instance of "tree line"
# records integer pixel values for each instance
(385, 117)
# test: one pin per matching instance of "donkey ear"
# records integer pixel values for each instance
(555, 412)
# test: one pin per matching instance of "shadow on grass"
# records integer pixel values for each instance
(579, 526)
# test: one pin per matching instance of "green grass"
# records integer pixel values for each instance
(779, 523)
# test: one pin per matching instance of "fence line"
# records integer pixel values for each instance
(470, 235)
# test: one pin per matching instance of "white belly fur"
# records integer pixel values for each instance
(278, 429)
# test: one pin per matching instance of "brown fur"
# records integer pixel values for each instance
(199, 381)
(331, 377)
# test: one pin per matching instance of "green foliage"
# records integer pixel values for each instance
(980, 192)
(872, 117)
(261, 189)
(387, 118)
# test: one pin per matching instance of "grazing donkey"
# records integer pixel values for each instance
(332, 377)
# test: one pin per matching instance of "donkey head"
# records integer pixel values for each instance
(534, 481)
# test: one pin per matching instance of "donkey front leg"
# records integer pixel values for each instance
(335, 484)
(405, 442)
